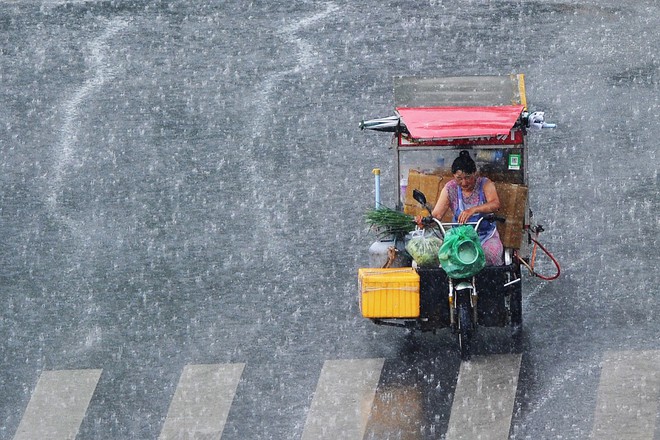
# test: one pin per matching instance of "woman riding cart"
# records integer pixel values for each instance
(461, 156)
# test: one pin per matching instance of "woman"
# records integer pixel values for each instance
(469, 196)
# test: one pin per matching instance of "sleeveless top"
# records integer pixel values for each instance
(459, 203)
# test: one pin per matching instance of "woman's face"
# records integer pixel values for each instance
(465, 180)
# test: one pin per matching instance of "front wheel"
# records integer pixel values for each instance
(464, 331)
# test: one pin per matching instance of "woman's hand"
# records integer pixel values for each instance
(464, 216)
(423, 222)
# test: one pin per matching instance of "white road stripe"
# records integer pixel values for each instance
(628, 394)
(484, 397)
(343, 399)
(201, 401)
(58, 405)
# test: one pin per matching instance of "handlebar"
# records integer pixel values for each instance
(429, 220)
(494, 218)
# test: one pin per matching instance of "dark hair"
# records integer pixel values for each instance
(463, 163)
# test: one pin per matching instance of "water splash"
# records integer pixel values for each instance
(559, 382)
(305, 60)
(101, 72)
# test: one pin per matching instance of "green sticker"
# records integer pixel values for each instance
(514, 161)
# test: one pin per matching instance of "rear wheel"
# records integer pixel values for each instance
(464, 331)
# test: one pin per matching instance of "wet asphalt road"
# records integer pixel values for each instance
(184, 183)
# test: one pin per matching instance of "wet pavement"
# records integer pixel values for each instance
(184, 183)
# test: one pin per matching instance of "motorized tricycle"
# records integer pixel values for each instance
(435, 119)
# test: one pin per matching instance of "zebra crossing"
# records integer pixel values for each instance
(483, 403)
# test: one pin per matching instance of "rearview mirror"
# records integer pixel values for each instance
(419, 196)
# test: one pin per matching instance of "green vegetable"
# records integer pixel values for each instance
(386, 221)
(424, 250)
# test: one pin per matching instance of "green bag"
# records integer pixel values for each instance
(461, 254)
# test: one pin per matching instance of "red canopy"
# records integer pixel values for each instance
(459, 122)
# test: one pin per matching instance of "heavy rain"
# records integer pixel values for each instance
(183, 189)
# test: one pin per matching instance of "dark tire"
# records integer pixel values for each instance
(464, 331)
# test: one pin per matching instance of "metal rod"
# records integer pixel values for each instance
(376, 172)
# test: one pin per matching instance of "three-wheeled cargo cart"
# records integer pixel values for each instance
(435, 119)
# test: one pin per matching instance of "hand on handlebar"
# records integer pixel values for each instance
(465, 215)
(423, 221)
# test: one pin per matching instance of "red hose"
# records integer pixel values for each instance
(531, 267)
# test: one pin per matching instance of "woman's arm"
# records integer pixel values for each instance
(442, 205)
(492, 203)
(492, 199)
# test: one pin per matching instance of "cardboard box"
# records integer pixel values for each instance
(389, 293)
(429, 184)
(513, 206)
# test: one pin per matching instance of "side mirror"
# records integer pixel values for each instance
(421, 198)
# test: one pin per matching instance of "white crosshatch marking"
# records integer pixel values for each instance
(484, 397)
(343, 399)
(202, 401)
(58, 405)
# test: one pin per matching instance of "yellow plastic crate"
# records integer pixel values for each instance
(389, 293)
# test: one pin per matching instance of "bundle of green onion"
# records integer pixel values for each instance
(387, 221)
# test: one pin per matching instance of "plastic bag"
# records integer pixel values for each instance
(423, 247)
(461, 254)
